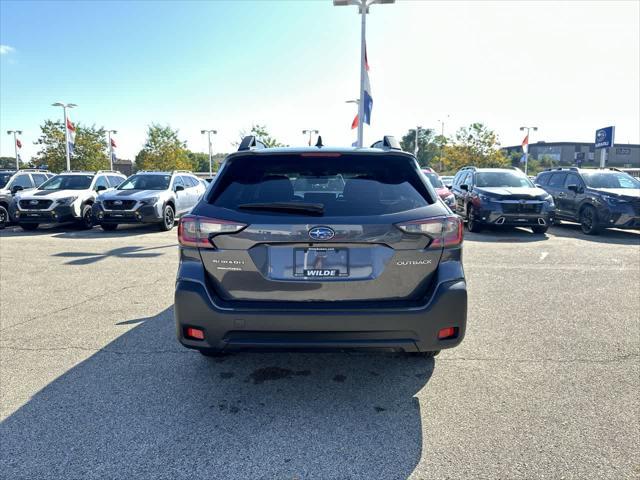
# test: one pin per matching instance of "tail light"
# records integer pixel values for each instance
(445, 231)
(195, 231)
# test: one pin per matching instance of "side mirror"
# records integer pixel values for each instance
(449, 186)
(16, 188)
(101, 188)
(179, 188)
(574, 188)
(537, 185)
(465, 187)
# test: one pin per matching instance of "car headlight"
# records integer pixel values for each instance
(614, 200)
(149, 201)
(66, 201)
(484, 198)
(549, 200)
(450, 200)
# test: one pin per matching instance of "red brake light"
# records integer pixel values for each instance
(445, 231)
(446, 333)
(194, 231)
(195, 333)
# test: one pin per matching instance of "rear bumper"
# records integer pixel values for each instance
(410, 329)
(144, 214)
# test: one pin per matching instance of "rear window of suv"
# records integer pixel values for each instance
(344, 185)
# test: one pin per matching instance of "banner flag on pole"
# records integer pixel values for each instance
(525, 144)
(71, 134)
(113, 153)
(354, 124)
(368, 99)
(18, 143)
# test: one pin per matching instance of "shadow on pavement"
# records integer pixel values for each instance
(614, 236)
(144, 407)
(87, 258)
(71, 230)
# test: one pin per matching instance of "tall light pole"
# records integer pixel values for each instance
(526, 152)
(363, 6)
(442, 142)
(209, 132)
(109, 132)
(415, 149)
(15, 144)
(310, 132)
(66, 130)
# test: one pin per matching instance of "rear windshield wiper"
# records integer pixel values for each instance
(291, 207)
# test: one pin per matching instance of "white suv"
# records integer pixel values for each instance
(67, 197)
(14, 181)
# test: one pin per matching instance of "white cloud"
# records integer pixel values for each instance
(6, 49)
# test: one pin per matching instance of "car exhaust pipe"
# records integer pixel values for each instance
(500, 221)
(541, 222)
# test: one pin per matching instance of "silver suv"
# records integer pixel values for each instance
(149, 197)
(14, 181)
(67, 197)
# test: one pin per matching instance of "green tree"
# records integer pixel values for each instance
(163, 150)
(261, 132)
(474, 145)
(200, 161)
(89, 153)
(428, 148)
(8, 162)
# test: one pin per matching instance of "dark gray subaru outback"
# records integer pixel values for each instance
(320, 248)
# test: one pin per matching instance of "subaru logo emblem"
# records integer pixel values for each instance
(321, 233)
(118, 202)
(33, 202)
(601, 135)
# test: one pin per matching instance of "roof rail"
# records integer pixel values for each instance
(469, 167)
(43, 170)
(108, 171)
(388, 142)
(251, 142)
(181, 171)
(79, 171)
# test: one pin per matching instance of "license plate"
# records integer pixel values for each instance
(321, 262)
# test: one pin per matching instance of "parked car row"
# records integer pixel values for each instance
(594, 198)
(105, 197)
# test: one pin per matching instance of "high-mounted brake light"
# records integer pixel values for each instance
(195, 231)
(445, 231)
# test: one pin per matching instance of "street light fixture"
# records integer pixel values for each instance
(310, 132)
(442, 141)
(526, 152)
(109, 132)
(66, 130)
(363, 8)
(209, 133)
(15, 144)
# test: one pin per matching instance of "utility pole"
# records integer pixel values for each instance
(416, 149)
(310, 132)
(209, 133)
(15, 145)
(66, 129)
(109, 132)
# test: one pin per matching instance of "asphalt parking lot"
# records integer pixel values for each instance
(94, 384)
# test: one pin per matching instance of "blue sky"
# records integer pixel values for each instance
(567, 67)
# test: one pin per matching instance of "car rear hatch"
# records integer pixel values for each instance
(289, 228)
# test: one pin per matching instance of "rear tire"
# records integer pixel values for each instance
(29, 227)
(472, 223)
(589, 221)
(168, 218)
(540, 229)
(86, 222)
(109, 227)
(4, 217)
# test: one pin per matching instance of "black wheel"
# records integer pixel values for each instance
(212, 353)
(109, 227)
(589, 220)
(168, 218)
(472, 222)
(86, 222)
(540, 229)
(29, 227)
(4, 216)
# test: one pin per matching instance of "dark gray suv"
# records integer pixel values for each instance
(320, 248)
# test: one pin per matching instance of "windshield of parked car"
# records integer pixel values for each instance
(67, 182)
(340, 185)
(434, 179)
(4, 178)
(502, 179)
(146, 182)
(610, 180)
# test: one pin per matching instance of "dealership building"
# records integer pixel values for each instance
(621, 155)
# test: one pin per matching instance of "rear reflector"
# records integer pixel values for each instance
(194, 333)
(195, 231)
(445, 231)
(446, 333)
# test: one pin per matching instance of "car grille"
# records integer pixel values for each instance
(521, 207)
(122, 204)
(35, 204)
